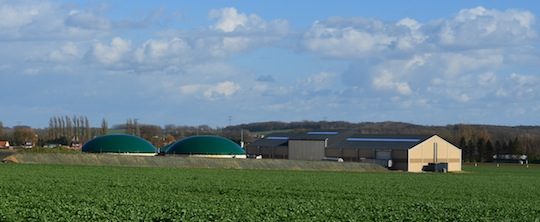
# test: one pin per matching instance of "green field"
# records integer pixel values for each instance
(83, 193)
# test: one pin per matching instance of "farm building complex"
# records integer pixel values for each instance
(400, 152)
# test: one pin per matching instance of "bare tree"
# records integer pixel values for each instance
(104, 127)
(87, 129)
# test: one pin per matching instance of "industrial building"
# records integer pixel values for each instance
(400, 152)
(119, 144)
(206, 146)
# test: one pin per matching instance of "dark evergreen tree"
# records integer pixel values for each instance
(489, 151)
(470, 151)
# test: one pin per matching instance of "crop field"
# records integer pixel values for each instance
(83, 193)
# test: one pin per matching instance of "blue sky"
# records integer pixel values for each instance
(199, 62)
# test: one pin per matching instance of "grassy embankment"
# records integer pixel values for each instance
(185, 162)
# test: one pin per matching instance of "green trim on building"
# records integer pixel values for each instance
(205, 145)
(118, 143)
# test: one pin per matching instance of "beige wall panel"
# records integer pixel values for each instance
(423, 153)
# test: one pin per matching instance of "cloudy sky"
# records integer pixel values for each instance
(191, 63)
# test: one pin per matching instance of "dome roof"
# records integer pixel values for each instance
(207, 145)
(118, 143)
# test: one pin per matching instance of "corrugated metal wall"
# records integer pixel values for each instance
(306, 149)
(280, 152)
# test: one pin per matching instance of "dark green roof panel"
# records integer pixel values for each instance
(208, 145)
(118, 143)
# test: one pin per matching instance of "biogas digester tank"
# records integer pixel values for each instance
(206, 146)
(119, 144)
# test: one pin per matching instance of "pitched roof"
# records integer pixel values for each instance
(359, 141)
(344, 139)
(282, 139)
(272, 140)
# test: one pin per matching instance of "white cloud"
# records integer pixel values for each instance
(461, 97)
(236, 32)
(463, 62)
(211, 91)
(523, 80)
(18, 18)
(416, 61)
(225, 89)
(173, 51)
(18, 15)
(344, 41)
(326, 81)
(477, 28)
(31, 71)
(356, 37)
(227, 45)
(41, 20)
(481, 27)
(486, 79)
(479, 56)
(87, 20)
(66, 52)
(385, 80)
(190, 89)
(229, 19)
(113, 53)
(411, 38)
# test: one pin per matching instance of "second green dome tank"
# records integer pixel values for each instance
(205, 145)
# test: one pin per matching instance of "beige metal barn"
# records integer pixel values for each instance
(400, 152)
(433, 150)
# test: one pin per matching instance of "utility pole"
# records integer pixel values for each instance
(137, 131)
(242, 138)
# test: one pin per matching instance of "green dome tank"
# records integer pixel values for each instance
(118, 143)
(205, 145)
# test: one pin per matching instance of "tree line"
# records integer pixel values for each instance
(478, 142)
(65, 130)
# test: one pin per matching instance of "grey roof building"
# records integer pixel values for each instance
(403, 152)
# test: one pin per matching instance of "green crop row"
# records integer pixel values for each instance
(83, 193)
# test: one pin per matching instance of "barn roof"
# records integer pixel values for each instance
(272, 140)
(344, 139)
(362, 141)
(282, 139)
